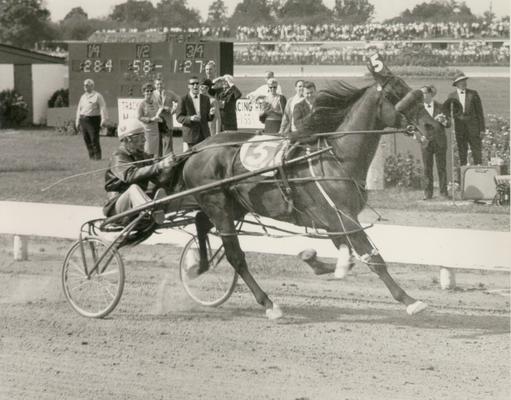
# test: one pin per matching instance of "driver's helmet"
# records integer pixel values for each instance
(129, 127)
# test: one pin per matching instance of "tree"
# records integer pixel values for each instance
(133, 13)
(304, 11)
(251, 12)
(217, 13)
(25, 22)
(176, 13)
(76, 12)
(353, 11)
(436, 11)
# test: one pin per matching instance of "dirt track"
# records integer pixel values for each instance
(337, 340)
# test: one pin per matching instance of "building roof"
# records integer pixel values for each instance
(17, 55)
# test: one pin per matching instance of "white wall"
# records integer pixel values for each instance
(46, 79)
(6, 76)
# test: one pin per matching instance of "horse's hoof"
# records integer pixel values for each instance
(192, 265)
(416, 307)
(274, 313)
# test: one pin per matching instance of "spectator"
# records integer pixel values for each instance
(469, 126)
(227, 101)
(304, 108)
(91, 115)
(215, 126)
(288, 124)
(128, 177)
(263, 90)
(148, 113)
(436, 147)
(205, 88)
(272, 108)
(193, 112)
(167, 102)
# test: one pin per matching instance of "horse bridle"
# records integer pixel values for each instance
(388, 92)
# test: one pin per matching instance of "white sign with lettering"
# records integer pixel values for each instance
(127, 109)
(247, 114)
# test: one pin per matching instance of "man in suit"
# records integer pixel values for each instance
(469, 125)
(288, 124)
(193, 112)
(303, 108)
(436, 147)
(167, 102)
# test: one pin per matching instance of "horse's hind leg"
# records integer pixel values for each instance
(376, 263)
(202, 226)
(224, 222)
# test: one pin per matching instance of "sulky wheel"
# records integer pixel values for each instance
(92, 288)
(214, 286)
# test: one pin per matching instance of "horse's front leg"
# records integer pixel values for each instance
(375, 262)
(222, 216)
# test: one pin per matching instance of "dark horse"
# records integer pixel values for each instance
(319, 202)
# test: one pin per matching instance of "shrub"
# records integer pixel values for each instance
(13, 109)
(403, 171)
(495, 141)
(66, 127)
(59, 99)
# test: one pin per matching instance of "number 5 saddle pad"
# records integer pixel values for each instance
(262, 151)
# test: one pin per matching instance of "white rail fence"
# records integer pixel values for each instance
(448, 249)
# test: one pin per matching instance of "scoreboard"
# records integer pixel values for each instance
(120, 69)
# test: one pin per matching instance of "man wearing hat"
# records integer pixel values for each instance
(436, 147)
(469, 124)
(131, 170)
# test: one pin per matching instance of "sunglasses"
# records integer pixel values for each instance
(273, 87)
(193, 83)
(149, 90)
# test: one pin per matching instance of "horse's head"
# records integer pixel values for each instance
(402, 106)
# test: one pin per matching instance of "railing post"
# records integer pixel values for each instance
(447, 279)
(20, 249)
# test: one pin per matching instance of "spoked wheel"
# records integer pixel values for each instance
(214, 286)
(93, 291)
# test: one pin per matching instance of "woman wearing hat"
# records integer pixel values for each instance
(131, 170)
(149, 114)
(469, 124)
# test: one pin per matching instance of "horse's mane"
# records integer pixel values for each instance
(331, 106)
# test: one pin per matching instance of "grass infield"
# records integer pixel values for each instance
(34, 159)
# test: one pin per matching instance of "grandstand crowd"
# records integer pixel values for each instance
(401, 44)
(387, 31)
(397, 53)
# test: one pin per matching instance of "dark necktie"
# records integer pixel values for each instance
(462, 92)
(195, 97)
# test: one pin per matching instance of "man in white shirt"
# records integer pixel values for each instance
(288, 124)
(264, 90)
(469, 125)
(91, 115)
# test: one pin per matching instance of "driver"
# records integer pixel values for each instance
(131, 170)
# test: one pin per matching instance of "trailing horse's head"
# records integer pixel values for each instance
(407, 102)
